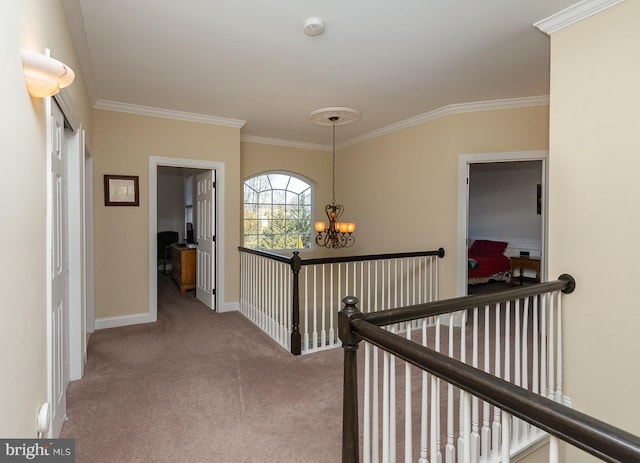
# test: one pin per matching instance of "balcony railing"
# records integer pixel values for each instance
(296, 301)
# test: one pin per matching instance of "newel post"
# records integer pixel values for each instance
(296, 340)
(350, 342)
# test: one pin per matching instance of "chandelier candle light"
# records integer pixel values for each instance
(337, 234)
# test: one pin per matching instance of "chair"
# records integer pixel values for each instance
(165, 240)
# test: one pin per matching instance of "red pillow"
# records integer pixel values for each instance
(487, 248)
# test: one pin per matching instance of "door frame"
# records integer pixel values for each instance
(80, 226)
(464, 162)
(219, 167)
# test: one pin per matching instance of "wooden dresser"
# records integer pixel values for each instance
(183, 264)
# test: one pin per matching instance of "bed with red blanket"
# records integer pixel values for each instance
(487, 261)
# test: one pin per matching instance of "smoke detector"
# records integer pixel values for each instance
(313, 26)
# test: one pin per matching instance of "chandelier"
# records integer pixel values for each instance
(336, 234)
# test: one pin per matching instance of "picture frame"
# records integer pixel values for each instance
(121, 190)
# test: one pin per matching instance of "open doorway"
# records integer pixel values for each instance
(168, 178)
(502, 200)
(177, 218)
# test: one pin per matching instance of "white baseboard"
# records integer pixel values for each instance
(124, 320)
(233, 306)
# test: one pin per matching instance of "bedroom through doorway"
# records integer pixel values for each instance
(502, 221)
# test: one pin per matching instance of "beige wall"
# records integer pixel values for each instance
(594, 208)
(122, 144)
(34, 25)
(405, 184)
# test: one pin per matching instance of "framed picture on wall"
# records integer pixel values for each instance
(121, 190)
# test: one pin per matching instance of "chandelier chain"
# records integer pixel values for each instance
(333, 176)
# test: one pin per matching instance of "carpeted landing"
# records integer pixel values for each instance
(200, 386)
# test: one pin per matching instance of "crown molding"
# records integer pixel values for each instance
(285, 143)
(448, 110)
(574, 14)
(490, 105)
(167, 114)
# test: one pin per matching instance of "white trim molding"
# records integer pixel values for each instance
(444, 111)
(286, 143)
(167, 114)
(124, 320)
(448, 110)
(574, 14)
(219, 167)
(464, 160)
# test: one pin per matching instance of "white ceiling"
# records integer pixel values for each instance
(250, 60)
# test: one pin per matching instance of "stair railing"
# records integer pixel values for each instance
(538, 408)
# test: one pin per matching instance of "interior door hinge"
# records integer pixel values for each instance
(213, 184)
(213, 238)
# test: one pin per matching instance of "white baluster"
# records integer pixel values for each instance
(366, 415)
(506, 454)
(315, 307)
(392, 409)
(424, 405)
(551, 348)
(375, 421)
(526, 427)
(385, 408)
(408, 413)
(450, 450)
(535, 380)
(463, 359)
(554, 447)
(436, 454)
(475, 418)
(558, 396)
(485, 433)
(515, 432)
(305, 339)
(362, 294)
(332, 335)
(323, 308)
(496, 432)
(271, 297)
(466, 450)
(543, 345)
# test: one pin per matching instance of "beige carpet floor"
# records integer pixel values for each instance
(199, 386)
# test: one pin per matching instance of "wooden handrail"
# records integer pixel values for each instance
(335, 260)
(564, 283)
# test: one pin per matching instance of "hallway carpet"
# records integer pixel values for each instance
(201, 386)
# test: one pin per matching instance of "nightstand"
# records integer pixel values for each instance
(522, 263)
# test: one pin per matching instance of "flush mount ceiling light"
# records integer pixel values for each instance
(313, 26)
(337, 234)
(44, 75)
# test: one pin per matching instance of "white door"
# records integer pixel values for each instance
(57, 320)
(205, 239)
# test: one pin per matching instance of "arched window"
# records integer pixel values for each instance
(277, 212)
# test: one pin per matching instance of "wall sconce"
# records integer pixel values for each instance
(45, 76)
